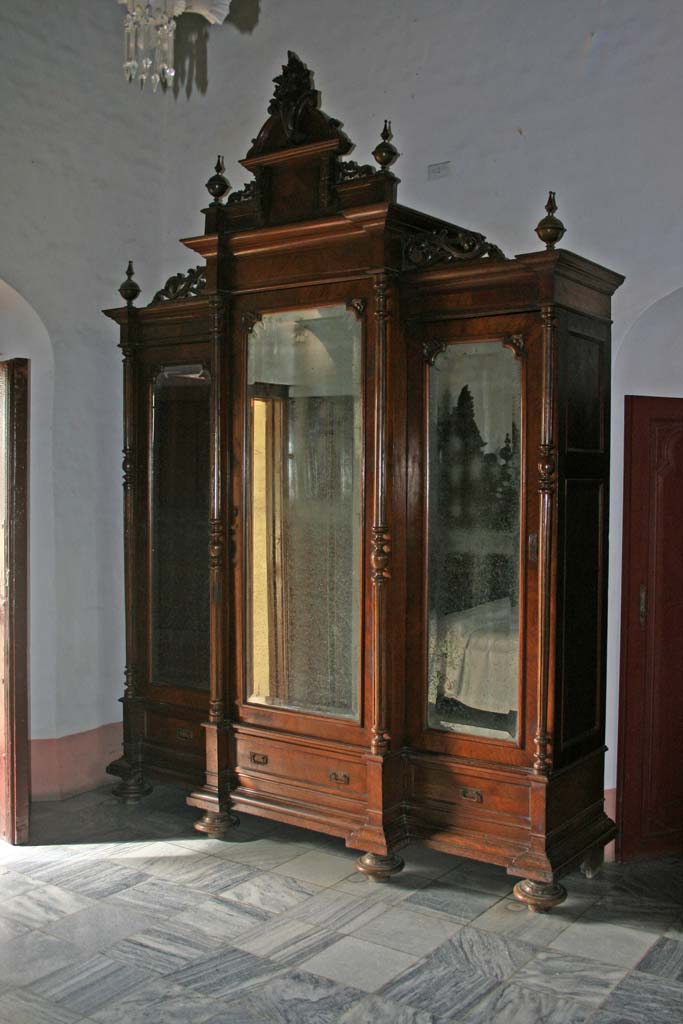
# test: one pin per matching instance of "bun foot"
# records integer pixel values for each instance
(540, 897)
(378, 868)
(592, 863)
(216, 824)
(133, 785)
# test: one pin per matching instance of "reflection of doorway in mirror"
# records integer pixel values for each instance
(304, 515)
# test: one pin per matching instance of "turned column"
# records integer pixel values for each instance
(133, 785)
(214, 796)
(379, 867)
(542, 896)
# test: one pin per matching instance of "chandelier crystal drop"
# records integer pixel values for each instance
(149, 31)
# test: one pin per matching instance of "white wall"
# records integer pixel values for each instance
(521, 97)
(81, 167)
(22, 333)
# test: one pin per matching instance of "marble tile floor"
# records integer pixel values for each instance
(125, 915)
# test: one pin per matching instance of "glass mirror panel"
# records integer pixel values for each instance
(473, 540)
(304, 464)
(180, 522)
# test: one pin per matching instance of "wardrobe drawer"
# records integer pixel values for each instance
(174, 733)
(289, 761)
(472, 793)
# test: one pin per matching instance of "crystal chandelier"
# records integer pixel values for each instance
(149, 30)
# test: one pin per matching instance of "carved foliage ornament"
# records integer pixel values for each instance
(244, 195)
(432, 349)
(294, 92)
(349, 170)
(429, 248)
(182, 286)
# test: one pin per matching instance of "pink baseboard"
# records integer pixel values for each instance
(73, 764)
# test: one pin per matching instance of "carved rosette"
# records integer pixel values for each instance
(249, 320)
(432, 349)
(182, 286)
(358, 306)
(422, 249)
(515, 342)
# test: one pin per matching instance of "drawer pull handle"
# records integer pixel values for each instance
(185, 734)
(475, 795)
(340, 777)
(258, 758)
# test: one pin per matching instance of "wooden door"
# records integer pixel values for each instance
(650, 782)
(13, 601)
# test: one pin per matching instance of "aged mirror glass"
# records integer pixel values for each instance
(473, 540)
(304, 511)
(179, 523)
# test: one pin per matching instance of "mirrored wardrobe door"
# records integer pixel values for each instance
(474, 477)
(304, 495)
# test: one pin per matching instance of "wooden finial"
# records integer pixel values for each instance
(384, 152)
(130, 289)
(218, 184)
(550, 229)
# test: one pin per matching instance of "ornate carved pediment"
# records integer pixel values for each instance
(430, 248)
(182, 286)
(293, 93)
(295, 115)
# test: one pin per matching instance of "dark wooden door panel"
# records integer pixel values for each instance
(14, 795)
(651, 719)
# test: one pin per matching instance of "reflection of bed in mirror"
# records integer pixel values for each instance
(475, 661)
(474, 527)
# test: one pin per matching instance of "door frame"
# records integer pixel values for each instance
(14, 802)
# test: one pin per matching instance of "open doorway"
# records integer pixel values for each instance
(14, 767)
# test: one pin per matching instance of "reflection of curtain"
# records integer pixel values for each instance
(304, 548)
(319, 541)
(268, 462)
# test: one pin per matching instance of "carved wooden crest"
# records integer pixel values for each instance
(295, 115)
(182, 286)
(293, 93)
(429, 248)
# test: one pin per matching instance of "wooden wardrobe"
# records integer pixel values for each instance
(366, 465)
